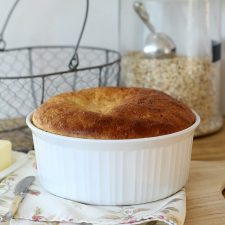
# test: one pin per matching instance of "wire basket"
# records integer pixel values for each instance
(30, 75)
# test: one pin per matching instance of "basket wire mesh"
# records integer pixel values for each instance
(30, 75)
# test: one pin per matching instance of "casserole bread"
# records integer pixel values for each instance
(113, 113)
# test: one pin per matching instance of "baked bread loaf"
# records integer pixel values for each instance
(113, 113)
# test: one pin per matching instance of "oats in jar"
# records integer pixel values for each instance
(191, 80)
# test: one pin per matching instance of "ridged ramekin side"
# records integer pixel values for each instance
(119, 177)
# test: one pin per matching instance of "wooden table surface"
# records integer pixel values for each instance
(211, 147)
(205, 200)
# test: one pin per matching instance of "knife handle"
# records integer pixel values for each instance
(15, 204)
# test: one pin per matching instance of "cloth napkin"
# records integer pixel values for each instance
(42, 208)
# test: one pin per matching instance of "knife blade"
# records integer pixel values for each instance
(20, 192)
(22, 187)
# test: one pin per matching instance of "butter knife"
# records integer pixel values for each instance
(20, 192)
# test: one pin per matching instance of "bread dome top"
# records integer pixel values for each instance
(113, 113)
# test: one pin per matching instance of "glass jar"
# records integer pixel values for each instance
(192, 74)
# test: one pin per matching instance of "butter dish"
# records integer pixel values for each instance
(18, 159)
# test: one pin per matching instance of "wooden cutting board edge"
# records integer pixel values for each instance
(205, 201)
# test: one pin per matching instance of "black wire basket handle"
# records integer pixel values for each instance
(74, 62)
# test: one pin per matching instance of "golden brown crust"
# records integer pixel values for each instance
(113, 113)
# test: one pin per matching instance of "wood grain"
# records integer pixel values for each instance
(211, 147)
(205, 201)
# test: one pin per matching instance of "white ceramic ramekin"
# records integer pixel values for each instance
(113, 172)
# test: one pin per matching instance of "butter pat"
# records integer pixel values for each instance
(5, 154)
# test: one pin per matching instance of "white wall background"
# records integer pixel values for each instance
(58, 22)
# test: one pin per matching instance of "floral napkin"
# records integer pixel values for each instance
(41, 208)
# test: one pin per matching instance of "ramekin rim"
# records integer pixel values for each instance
(157, 138)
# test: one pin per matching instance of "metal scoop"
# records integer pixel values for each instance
(157, 45)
